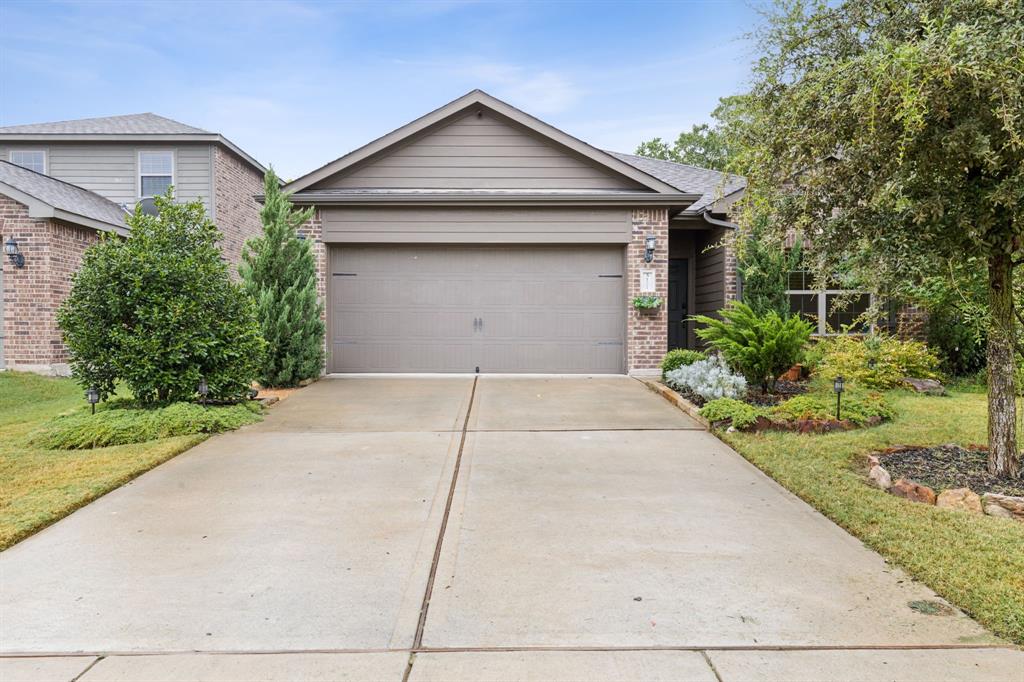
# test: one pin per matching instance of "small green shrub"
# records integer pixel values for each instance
(879, 361)
(760, 347)
(119, 425)
(742, 414)
(856, 407)
(679, 357)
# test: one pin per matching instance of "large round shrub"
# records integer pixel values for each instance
(158, 311)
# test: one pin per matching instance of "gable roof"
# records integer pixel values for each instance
(147, 127)
(712, 185)
(48, 197)
(479, 98)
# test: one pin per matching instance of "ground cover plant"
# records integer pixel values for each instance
(877, 361)
(124, 422)
(680, 357)
(707, 379)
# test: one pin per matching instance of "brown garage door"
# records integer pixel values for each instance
(416, 308)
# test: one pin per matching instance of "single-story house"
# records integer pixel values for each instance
(479, 238)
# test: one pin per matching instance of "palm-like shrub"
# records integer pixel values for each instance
(760, 347)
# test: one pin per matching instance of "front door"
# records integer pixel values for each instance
(678, 297)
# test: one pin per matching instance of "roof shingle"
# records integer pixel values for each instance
(62, 195)
(712, 185)
(131, 124)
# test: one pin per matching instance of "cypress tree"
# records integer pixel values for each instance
(279, 271)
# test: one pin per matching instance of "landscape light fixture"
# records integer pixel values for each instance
(650, 241)
(203, 389)
(837, 386)
(93, 396)
(13, 253)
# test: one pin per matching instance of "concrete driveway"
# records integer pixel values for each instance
(460, 528)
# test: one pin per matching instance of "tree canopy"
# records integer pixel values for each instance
(892, 135)
(703, 145)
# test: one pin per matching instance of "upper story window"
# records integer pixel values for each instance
(156, 172)
(832, 309)
(32, 159)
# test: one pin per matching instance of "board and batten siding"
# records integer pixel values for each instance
(480, 152)
(111, 169)
(476, 225)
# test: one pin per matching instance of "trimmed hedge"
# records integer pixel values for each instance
(120, 425)
(679, 357)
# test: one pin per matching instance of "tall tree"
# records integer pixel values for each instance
(279, 271)
(892, 135)
(703, 145)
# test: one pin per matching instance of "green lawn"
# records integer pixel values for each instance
(43, 486)
(975, 562)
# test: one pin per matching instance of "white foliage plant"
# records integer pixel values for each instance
(710, 379)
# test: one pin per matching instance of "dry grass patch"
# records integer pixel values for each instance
(42, 486)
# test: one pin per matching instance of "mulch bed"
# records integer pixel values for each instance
(949, 466)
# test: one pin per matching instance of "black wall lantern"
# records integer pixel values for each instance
(203, 389)
(13, 253)
(650, 241)
(837, 386)
(93, 396)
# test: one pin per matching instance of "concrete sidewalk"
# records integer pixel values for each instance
(574, 529)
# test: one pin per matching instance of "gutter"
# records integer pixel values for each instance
(634, 200)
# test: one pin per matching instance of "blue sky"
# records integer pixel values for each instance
(297, 84)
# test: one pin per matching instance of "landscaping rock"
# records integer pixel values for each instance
(926, 386)
(960, 499)
(1003, 506)
(880, 477)
(915, 492)
(267, 402)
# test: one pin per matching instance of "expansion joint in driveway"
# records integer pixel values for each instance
(418, 639)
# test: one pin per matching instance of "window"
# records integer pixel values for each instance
(156, 172)
(818, 305)
(32, 159)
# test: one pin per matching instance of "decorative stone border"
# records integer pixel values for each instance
(677, 400)
(959, 499)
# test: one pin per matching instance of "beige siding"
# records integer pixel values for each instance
(481, 225)
(483, 152)
(111, 170)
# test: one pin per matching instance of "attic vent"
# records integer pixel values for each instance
(479, 114)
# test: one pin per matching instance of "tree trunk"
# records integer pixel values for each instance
(1003, 458)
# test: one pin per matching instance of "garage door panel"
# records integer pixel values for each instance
(414, 308)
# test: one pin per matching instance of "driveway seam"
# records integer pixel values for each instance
(714, 671)
(428, 593)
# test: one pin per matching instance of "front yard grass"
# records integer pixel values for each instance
(975, 562)
(42, 486)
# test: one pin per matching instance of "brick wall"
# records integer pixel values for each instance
(314, 230)
(237, 212)
(647, 332)
(53, 252)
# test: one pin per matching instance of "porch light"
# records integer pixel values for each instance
(650, 241)
(203, 389)
(93, 396)
(837, 386)
(13, 253)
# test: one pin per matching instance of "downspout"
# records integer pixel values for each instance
(729, 226)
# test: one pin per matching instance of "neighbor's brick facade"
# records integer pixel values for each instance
(53, 252)
(236, 211)
(647, 331)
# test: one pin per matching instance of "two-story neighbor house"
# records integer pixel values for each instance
(61, 184)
